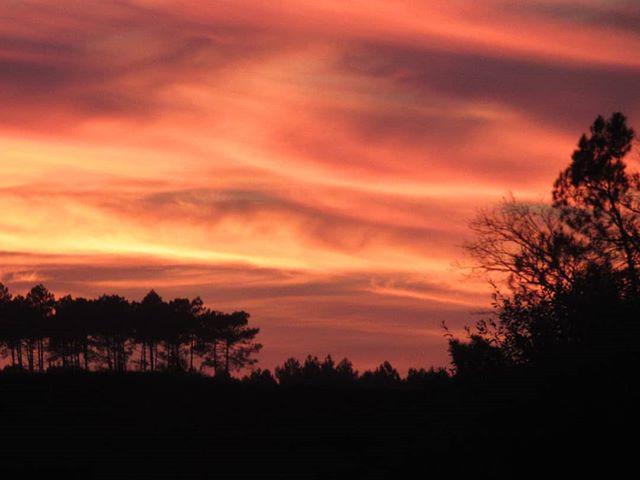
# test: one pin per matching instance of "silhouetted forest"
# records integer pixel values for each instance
(38, 333)
(545, 385)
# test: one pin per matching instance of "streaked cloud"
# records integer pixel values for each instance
(315, 163)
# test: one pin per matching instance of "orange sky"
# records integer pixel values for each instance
(312, 162)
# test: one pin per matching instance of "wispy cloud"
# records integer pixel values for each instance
(313, 162)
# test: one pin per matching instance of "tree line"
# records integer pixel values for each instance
(313, 372)
(566, 278)
(39, 332)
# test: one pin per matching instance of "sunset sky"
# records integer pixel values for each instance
(314, 162)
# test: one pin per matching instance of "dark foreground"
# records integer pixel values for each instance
(162, 426)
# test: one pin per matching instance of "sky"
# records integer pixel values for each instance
(315, 163)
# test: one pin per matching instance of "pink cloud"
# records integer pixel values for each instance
(313, 162)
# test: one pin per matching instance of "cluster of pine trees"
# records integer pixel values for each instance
(39, 332)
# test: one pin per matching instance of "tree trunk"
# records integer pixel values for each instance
(142, 356)
(40, 355)
(30, 354)
(215, 358)
(85, 353)
(109, 360)
(20, 354)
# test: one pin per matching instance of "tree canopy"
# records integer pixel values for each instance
(39, 332)
(565, 273)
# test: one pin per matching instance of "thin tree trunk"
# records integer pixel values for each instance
(215, 358)
(226, 358)
(40, 355)
(20, 362)
(85, 353)
(109, 360)
(142, 356)
(30, 354)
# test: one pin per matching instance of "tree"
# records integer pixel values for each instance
(289, 373)
(345, 373)
(570, 268)
(432, 378)
(69, 333)
(527, 247)
(239, 344)
(384, 376)
(208, 336)
(599, 199)
(40, 302)
(150, 313)
(113, 316)
(479, 356)
(260, 378)
(7, 324)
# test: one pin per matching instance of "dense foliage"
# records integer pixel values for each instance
(570, 268)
